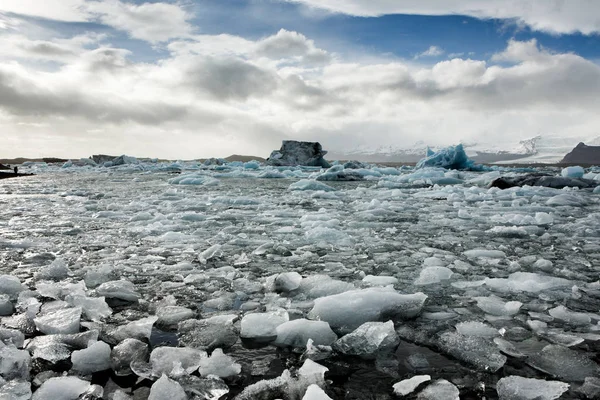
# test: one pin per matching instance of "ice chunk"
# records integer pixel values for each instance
(213, 251)
(55, 348)
(262, 326)
(309, 184)
(326, 235)
(590, 388)
(61, 388)
(543, 218)
(380, 280)
(479, 352)
(527, 282)
(431, 275)
(571, 317)
(14, 363)
(220, 365)
(496, 306)
(167, 389)
(266, 389)
(369, 340)
(93, 359)
(564, 363)
(6, 306)
(314, 392)
(475, 328)
(194, 179)
(94, 308)
(10, 285)
(407, 386)
(287, 281)
(297, 332)
(208, 334)
(323, 285)
(15, 390)
(165, 359)
(60, 321)
(122, 290)
(484, 253)
(172, 315)
(8, 336)
(572, 172)
(439, 390)
(56, 271)
(140, 329)
(567, 200)
(452, 157)
(519, 388)
(126, 352)
(347, 311)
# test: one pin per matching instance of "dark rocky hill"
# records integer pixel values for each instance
(583, 154)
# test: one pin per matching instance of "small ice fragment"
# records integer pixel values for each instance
(287, 281)
(56, 271)
(14, 363)
(172, 315)
(314, 392)
(297, 332)
(262, 326)
(496, 306)
(93, 359)
(519, 388)
(431, 275)
(572, 172)
(167, 389)
(484, 253)
(123, 354)
(309, 184)
(380, 280)
(369, 340)
(407, 386)
(219, 364)
(60, 321)
(122, 290)
(140, 329)
(439, 390)
(476, 328)
(61, 388)
(164, 359)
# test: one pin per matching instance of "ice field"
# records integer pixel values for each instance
(241, 281)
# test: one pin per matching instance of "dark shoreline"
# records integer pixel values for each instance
(6, 175)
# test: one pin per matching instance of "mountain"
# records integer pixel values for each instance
(583, 154)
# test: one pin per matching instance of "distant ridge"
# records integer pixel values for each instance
(237, 157)
(583, 154)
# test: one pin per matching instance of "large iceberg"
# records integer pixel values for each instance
(452, 157)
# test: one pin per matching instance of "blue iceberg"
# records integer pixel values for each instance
(453, 157)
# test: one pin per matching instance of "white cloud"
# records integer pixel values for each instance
(556, 16)
(222, 94)
(432, 51)
(62, 10)
(153, 22)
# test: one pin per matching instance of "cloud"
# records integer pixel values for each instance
(222, 94)
(153, 22)
(556, 16)
(61, 10)
(432, 51)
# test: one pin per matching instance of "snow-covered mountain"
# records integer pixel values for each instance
(538, 149)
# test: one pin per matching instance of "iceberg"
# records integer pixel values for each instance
(452, 157)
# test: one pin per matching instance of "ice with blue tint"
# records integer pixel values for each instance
(385, 273)
(572, 172)
(452, 157)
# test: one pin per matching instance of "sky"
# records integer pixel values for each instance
(200, 78)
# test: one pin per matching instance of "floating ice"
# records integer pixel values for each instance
(14, 363)
(297, 332)
(452, 157)
(572, 172)
(571, 317)
(10, 285)
(475, 328)
(165, 388)
(564, 363)
(496, 306)
(15, 390)
(314, 392)
(61, 388)
(140, 329)
(213, 251)
(407, 386)
(439, 390)
(122, 290)
(61, 321)
(484, 253)
(93, 359)
(479, 352)
(219, 364)
(309, 184)
(287, 281)
(165, 360)
(8, 336)
(527, 282)
(380, 280)
(209, 333)
(567, 200)
(6, 306)
(430, 275)
(519, 388)
(56, 271)
(172, 315)
(369, 340)
(347, 311)
(126, 352)
(262, 326)
(194, 179)
(94, 308)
